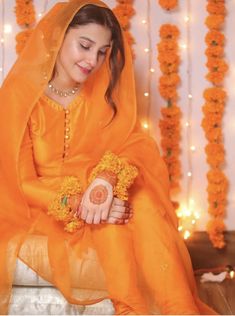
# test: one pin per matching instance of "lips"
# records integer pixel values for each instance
(84, 70)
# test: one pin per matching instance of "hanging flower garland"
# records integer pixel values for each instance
(124, 10)
(170, 123)
(25, 17)
(213, 109)
(168, 4)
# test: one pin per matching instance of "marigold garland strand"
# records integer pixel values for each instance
(124, 11)
(25, 17)
(169, 60)
(213, 109)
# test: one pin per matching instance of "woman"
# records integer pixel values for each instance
(72, 154)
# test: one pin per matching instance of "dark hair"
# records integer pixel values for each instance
(103, 16)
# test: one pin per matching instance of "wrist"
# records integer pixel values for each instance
(108, 176)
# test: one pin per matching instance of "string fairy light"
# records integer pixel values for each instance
(2, 40)
(148, 51)
(188, 215)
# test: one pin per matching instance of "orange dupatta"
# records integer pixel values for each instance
(20, 91)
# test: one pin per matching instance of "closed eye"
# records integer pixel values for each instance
(84, 47)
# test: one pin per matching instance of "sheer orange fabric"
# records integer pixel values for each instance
(121, 262)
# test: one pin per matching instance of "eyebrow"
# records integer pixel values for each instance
(88, 39)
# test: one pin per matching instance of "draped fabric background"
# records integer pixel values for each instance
(198, 31)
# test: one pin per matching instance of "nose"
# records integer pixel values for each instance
(92, 59)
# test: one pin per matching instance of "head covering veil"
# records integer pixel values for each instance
(20, 92)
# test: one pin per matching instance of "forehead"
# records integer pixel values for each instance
(95, 32)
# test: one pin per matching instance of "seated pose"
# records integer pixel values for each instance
(80, 183)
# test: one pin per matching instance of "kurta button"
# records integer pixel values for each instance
(66, 145)
(67, 112)
(67, 121)
(67, 129)
(66, 137)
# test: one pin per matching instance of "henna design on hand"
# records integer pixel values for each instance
(98, 194)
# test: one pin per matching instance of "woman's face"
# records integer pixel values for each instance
(82, 52)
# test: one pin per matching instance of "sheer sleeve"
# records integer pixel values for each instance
(36, 193)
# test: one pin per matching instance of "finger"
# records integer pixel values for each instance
(115, 221)
(105, 213)
(83, 211)
(117, 201)
(97, 218)
(90, 217)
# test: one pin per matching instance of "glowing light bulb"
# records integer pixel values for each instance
(190, 96)
(231, 274)
(193, 148)
(184, 46)
(144, 21)
(146, 50)
(187, 124)
(191, 201)
(39, 15)
(145, 125)
(146, 94)
(187, 234)
(193, 221)
(152, 70)
(180, 228)
(189, 174)
(7, 28)
(186, 18)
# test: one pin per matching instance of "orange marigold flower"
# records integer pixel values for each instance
(214, 135)
(215, 51)
(214, 21)
(216, 176)
(168, 58)
(216, 8)
(217, 64)
(170, 80)
(173, 111)
(216, 209)
(215, 154)
(213, 107)
(168, 92)
(169, 68)
(168, 4)
(25, 13)
(215, 38)
(169, 31)
(215, 229)
(168, 45)
(21, 40)
(215, 94)
(215, 77)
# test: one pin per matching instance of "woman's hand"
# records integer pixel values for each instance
(120, 212)
(96, 202)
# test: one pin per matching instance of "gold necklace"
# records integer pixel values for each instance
(62, 93)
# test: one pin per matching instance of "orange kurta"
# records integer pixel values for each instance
(147, 255)
(123, 262)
